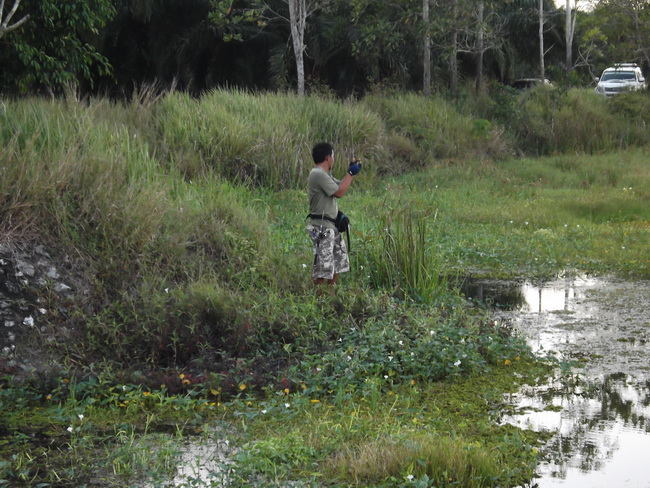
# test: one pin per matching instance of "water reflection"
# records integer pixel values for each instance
(599, 413)
(540, 299)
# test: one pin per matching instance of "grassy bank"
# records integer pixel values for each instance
(181, 223)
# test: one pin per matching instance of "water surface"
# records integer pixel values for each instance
(598, 410)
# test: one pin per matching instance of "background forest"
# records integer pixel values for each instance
(348, 47)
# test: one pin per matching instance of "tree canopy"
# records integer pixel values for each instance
(342, 46)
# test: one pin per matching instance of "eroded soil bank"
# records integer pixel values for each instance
(598, 407)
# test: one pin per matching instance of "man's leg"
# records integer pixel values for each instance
(332, 284)
(323, 240)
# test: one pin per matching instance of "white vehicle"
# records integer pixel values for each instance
(620, 78)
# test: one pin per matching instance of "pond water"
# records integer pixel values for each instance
(597, 411)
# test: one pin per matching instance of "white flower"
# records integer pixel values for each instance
(432, 332)
(304, 265)
(81, 416)
(410, 477)
(42, 311)
(385, 376)
(390, 358)
(70, 429)
(349, 358)
(28, 321)
(264, 411)
(166, 290)
(457, 363)
(401, 343)
(287, 405)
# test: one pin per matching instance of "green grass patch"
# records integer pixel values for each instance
(182, 222)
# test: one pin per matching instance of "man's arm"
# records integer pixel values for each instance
(343, 186)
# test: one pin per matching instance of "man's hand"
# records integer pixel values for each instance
(355, 167)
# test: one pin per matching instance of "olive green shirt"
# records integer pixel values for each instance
(321, 187)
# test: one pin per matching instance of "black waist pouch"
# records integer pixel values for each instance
(341, 222)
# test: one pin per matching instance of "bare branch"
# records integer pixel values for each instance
(5, 25)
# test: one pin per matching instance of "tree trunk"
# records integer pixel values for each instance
(426, 63)
(542, 73)
(453, 59)
(298, 20)
(569, 25)
(480, 47)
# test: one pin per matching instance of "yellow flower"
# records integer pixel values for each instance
(286, 391)
(147, 393)
(315, 400)
(181, 376)
(242, 387)
(507, 362)
(412, 382)
(214, 392)
(49, 397)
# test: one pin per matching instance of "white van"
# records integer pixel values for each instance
(620, 78)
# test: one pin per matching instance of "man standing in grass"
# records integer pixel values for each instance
(330, 253)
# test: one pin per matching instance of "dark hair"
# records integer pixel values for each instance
(321, 151)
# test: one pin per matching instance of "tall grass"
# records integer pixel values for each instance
(138, 234)
(547, 121)
(437, 127)
(263, 139)
(403, 257)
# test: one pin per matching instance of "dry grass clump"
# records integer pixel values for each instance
(442, 459)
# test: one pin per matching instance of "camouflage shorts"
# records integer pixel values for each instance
(330, 253)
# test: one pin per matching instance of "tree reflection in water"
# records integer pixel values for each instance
(598, 411)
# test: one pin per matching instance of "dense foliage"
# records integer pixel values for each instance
(113, 46)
